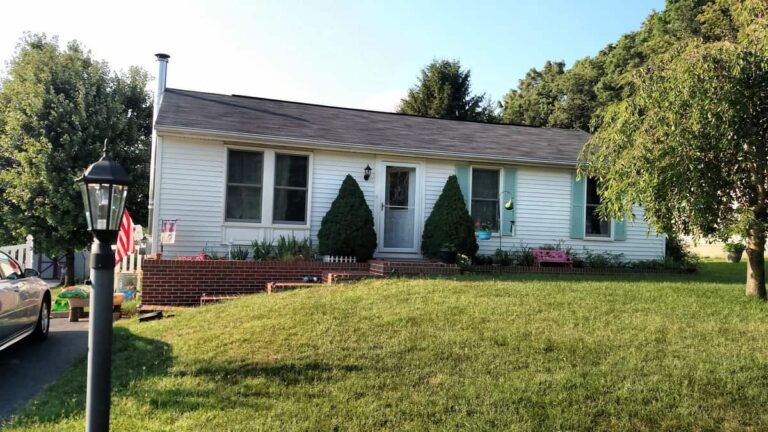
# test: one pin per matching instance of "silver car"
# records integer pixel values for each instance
(25, 303)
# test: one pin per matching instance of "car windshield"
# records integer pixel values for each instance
(9, 269)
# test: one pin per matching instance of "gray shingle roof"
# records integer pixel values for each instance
(351, 128)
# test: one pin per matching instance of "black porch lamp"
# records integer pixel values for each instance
(367, 172)
(104, 186)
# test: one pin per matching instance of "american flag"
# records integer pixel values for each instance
(125, 241)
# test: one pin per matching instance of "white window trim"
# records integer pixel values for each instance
(499, 203)
(268, 188)
(593, 237)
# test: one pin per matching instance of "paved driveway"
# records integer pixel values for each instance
(27, 367)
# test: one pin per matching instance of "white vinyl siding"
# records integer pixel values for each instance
(543, 209)
(330, 170)
(192, 188)
(191, 179)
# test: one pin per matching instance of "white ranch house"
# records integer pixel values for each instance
(233, 169)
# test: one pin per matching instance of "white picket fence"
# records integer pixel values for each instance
(339, 259)
(130, 264)
(22, 253)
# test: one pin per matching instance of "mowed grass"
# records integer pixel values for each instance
(471, 353)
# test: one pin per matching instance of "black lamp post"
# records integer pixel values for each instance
(104, 186)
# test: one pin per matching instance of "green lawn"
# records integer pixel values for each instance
(522, 353)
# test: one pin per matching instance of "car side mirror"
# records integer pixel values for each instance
(31, 273)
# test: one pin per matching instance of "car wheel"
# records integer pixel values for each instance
(43, 322)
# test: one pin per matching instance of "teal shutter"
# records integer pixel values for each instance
(620, 229)
(462, 175)
(578, 208)
(510, 185)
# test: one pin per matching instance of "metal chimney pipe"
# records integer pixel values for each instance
(162, 63)
(162, 60)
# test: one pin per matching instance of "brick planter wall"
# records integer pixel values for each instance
(182, 283)
(389, 268)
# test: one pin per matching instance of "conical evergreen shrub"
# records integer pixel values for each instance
(449, 223)
(347, 229)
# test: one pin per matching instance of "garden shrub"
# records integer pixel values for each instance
(239, 253)
(601, 260)
(522, 256)
(449, 222)
(347, 229)
(262, 250)
(287, 249)
(292, 249)
(676, 248)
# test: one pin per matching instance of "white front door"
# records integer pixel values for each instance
(399, 198)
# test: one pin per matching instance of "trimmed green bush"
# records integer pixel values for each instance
(347, 229)
(449, 223)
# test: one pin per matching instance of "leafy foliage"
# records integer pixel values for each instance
(444, 91)
(577, 97)
(287, 248)
(239, 253)
(449, 222)
(262, 250)
(734, 247)
(691, 143)
(57, 106)
(675, 248)
(292, 249)
(347, 229)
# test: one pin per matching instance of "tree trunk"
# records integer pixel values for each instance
(756, 265)
(69, 278)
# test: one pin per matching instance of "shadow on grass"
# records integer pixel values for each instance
(249, 385)
(133, 358)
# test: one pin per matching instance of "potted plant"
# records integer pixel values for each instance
(482, 230)
(733, 250)
(447, 254)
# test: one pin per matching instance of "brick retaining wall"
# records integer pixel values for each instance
(182, 283)
(412, 267)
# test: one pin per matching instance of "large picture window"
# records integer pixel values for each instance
(245, 174)
(595, 225)
(291, 180)
(485, 197)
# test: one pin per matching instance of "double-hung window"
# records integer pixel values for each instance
(595, 225)
(245, 175)
(485, 197)
(291, 185)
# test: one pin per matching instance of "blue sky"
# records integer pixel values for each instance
(363, 54)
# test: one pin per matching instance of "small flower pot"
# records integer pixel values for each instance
(483, 235)
(734, 257)
(447, 257)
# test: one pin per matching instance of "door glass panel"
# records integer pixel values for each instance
(400, 208)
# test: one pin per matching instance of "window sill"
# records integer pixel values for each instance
(231, 224)
(598, 239)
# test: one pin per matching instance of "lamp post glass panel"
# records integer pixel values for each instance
(104, 186)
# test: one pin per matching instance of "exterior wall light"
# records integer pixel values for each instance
(367, 170)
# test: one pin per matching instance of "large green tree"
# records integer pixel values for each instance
(57, 106)
(444, 91)
(577, 97)
(532, 103)
(691, 142)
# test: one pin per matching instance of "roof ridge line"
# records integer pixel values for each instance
(379, 112)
